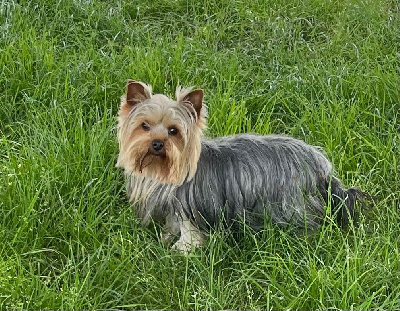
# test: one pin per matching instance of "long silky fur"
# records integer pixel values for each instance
(251, 177)
(210, 181)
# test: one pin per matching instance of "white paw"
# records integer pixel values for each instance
(182, 246)
(186, 245)
(191, 237)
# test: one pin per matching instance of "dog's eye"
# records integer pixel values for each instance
(172, 131)
(145, 127)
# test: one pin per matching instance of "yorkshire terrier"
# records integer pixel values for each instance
(191, 184)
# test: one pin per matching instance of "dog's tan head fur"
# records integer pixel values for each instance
(160, 138)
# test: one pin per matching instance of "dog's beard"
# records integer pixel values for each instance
(154, 165)
(150, 158)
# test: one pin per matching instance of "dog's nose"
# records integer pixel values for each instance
(157, 145)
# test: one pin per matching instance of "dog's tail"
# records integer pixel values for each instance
(343, 202)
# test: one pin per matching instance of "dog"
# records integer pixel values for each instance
(191, 184)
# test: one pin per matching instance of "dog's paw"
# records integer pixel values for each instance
(185, 246)
(168, 237)
(182, 246)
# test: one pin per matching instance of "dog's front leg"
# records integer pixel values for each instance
(172, 227)
(191, 236)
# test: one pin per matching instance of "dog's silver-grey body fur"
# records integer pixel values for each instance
(248, 177)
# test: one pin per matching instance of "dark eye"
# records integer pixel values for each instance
(145, 127)
(172, 131)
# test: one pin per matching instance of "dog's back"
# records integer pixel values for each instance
(251, 176)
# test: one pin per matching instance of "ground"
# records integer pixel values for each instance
(322, 71)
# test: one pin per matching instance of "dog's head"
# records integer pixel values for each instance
(160, 138)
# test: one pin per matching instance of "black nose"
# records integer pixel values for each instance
(157, 145)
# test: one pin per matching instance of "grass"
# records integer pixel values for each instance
(322, 71)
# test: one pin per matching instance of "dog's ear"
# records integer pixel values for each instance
(137, 92)
(195, 97)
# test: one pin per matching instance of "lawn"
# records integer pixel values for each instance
(322, 71)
